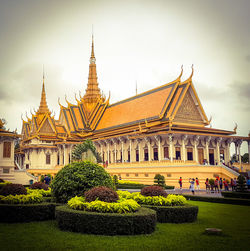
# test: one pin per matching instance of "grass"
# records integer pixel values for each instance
(234, 220)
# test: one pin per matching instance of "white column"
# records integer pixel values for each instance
(239, 145)
(130, 150)
(248, 151)
(236, 150)
(64, 154)
(170, 137)
(184, 153)
(196, 140)
(207, 150)
(218, 150)
(159, 148)
(141, 158)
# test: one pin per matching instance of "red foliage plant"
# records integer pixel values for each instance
(39, 185)
(101, 193)
(153, 191)
(13, 189)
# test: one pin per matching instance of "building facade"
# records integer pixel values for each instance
(164, 130)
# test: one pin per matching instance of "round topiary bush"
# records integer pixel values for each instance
(153, 191)
(77, 178)
(101, 193)
(39, 185)
(13, 189)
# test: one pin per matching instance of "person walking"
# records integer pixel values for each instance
(221, 183)
(192, 181)
(225, 184)
(47, 180)
(197, 184)
(216, 186)
(207, 185)
(180, 183)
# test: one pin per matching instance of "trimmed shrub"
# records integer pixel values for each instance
(241, 184)
(159, 180)
(21, 199)
(141, 222)
(39, 185)
(45, 193)
(175, 214)
(101, 193)
(130, 186)
(245, 195)
(121, 206)
(13, 189)
(153, 191)
(1, 181)
(27, 212)
(4, 183)
(171, 200)
(77, 178)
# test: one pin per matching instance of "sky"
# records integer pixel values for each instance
(136, 41)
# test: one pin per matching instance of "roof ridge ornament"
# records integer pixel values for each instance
(192, 73)
(179, 78)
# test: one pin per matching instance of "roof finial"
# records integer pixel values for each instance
(192, 73)
(181, 72)
(43, 108)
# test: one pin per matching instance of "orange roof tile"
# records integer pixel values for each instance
(144, 106)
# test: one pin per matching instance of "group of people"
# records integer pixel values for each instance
(219, 184)
(193, 183)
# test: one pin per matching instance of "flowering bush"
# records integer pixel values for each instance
(12, 189)
(128, 182)
(21, 199)
(170, 200)
(121, 206)
(45, 193)
(39, 185)
(101, 193)
(153, 191)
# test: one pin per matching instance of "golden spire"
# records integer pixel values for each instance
(93, 93)
(43, 108)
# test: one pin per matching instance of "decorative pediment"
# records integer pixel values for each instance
(46, 127)
(189, 110)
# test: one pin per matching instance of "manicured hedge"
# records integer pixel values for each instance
(245, 195)
(141, 222)
(11, 213)
(175, 214)
(130, 186)
(234, 201)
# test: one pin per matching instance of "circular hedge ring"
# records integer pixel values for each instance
(175, 214)
(11, 213)
(141, 222)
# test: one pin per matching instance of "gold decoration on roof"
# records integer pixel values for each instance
(43, 108)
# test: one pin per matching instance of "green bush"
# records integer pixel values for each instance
(27, 212)
(175, 214)
(39, 185)
(159, 180)
(241, 184)
(141, 222)
(101, 193)
(171, 200)
(130, 186)
(77, 178)
(115, 180)
(13, 189)
(153, 191)
(121, 206)
(245, 195)
(3, 183)
(21, 199)
(44, 193)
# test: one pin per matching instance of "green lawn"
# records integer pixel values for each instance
(232, 219)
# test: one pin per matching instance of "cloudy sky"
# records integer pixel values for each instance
(143, 41)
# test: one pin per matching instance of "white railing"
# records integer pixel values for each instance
(18, 165)
(230, 170)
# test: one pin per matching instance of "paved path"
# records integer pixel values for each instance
(183, 191)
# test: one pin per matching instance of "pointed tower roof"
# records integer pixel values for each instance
(93, 93)
(43, 108)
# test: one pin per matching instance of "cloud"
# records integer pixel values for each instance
(248, 58)
(242, 90)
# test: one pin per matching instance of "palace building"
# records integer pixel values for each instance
(164, 130)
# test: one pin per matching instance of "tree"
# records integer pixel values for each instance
(241, 184)
(78, 177)
(159, 180)
(245, 158)
(83, 148)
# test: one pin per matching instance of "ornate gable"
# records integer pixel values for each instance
(188, 111)
(46, 127)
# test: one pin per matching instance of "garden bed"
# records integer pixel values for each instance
(141, 222)
(175, 214)
(10, 213)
